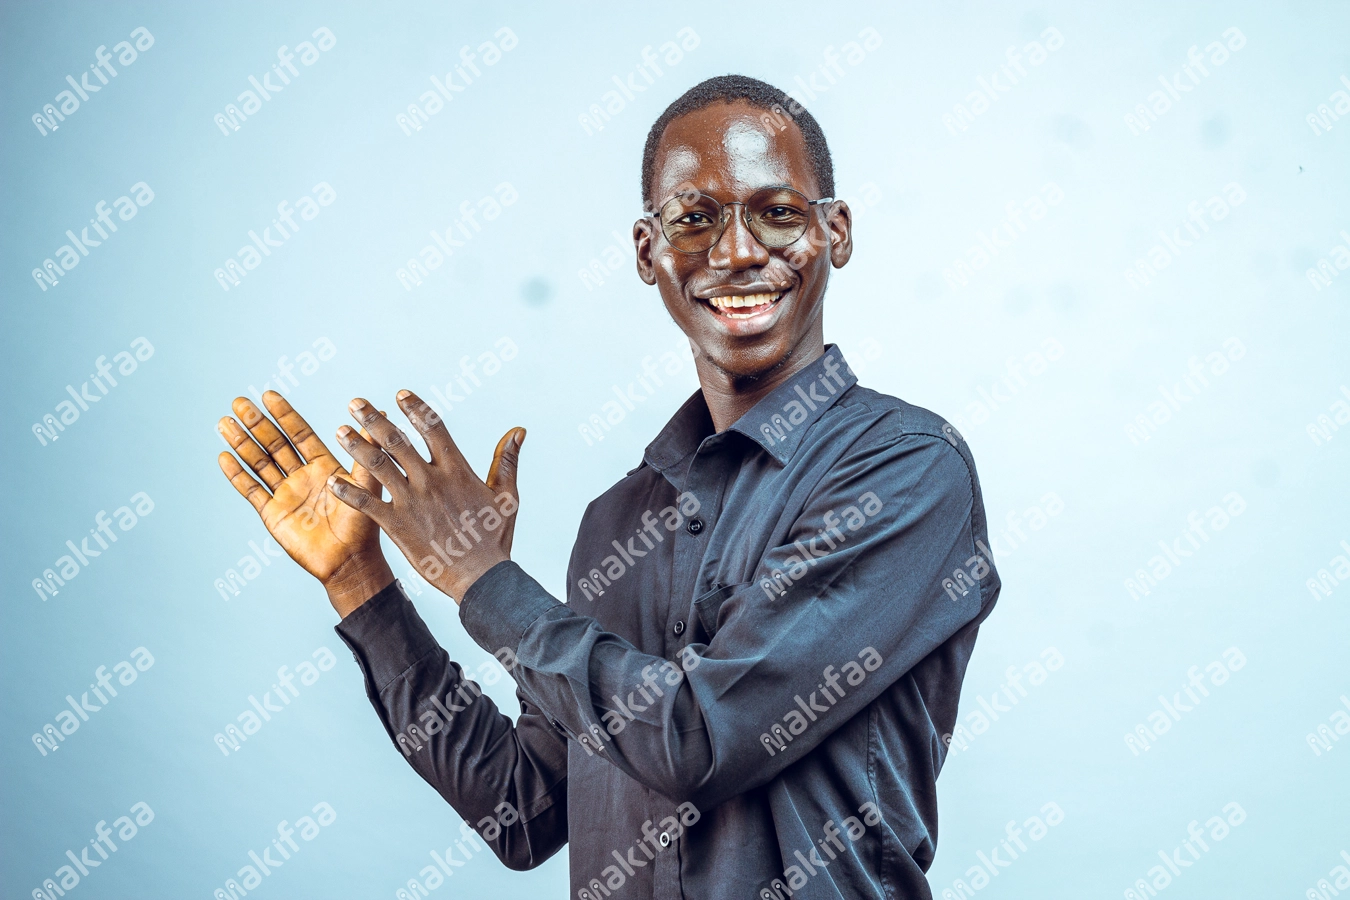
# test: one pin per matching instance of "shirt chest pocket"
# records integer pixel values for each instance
(708, 608)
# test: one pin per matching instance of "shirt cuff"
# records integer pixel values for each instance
(501, 604)
(386, 636)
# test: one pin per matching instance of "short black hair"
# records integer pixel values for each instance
(759, 94)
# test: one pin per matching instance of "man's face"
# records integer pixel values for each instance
(728, 151)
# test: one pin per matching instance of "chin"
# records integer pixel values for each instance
(748, 358)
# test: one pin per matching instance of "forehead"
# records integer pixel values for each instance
(729, 150)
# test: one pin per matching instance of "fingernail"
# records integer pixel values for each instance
(345, 431)
(332, 480)
(356, 404)
(404, 395)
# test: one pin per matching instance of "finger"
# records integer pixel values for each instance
(375, 460)
(388, 436)
(297, 429)
(506, 462)
(358, 498)
(431, 426)
(243, 482)
(362, 478)
(266, 434)
(250, 452)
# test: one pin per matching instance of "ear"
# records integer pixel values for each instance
(839, 220)
(643, 236)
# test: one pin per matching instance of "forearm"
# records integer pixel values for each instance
(574, 670)
(488, 769)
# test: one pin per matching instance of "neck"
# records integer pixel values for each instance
(730, 396)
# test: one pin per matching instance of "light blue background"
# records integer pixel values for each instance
(1063, 433)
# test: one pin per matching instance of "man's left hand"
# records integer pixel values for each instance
(451, 525)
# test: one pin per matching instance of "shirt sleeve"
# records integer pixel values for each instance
(849, 602)
(453, 735)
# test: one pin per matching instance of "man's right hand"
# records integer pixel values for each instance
(330, 540)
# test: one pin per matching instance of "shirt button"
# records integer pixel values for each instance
(664, 839)
(679, 627)
(695, 526)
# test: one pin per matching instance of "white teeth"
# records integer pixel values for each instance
(748, 300)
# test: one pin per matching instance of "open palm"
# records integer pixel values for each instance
(316, 529)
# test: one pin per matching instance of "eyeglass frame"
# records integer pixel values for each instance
(656, 214)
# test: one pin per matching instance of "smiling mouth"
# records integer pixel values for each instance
(745, 306)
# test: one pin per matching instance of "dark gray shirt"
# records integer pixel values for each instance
(747, 690)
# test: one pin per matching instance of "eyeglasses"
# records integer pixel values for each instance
(777, 216)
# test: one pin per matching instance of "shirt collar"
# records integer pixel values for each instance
(777, 422)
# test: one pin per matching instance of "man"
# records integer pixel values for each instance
(745, 693)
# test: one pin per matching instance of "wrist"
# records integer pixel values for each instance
(356, 580)
(468, 577)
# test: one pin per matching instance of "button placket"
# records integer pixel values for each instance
(705, 480)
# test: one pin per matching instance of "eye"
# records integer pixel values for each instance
(693, 220)
(779, 213)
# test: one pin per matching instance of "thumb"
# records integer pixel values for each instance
(506, 462)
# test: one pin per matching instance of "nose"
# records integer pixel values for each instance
(737, 248)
